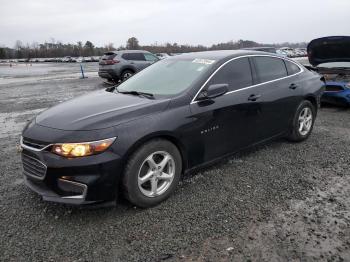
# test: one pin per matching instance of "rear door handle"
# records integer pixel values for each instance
(253, 97)
(293, 86)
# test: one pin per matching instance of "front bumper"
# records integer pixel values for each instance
(79, 181)
(49, 195)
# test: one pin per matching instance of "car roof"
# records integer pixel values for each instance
(220, 54)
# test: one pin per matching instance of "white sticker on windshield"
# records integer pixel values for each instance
(203, 61)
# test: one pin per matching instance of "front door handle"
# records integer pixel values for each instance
(293, 86)
(253, 97)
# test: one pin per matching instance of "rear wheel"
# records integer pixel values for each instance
(152, 173)
(303, 122)
(127, 74)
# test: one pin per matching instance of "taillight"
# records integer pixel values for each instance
(111, 62)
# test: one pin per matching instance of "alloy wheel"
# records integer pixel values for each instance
(305, 121)
(156, 174)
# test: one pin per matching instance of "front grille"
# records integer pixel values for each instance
(33, 167)
(33, 144)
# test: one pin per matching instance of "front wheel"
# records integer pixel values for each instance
(303, 122)
(152, 173)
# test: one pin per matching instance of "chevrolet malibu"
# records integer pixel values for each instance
(181, 113)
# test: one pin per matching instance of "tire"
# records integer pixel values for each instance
(301, 131)
(126, 74)
(146, 183)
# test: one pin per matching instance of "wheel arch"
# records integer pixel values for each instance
(161, 135)
(313, 100)
(129, 68)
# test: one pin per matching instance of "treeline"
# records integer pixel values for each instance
(52, 49)
(58, 49)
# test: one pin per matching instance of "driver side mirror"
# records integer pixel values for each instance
(213, 91)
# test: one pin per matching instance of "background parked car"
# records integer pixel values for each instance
(267, 49)
(301, 52)
(67, 59)
(288, 51)
(331, 57)
(162, 55)
(120, 65)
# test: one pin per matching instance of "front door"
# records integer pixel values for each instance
(227, 123)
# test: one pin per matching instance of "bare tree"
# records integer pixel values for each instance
(132, 44)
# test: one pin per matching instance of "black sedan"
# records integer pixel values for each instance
(173, 117)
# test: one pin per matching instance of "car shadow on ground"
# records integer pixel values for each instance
(335, 107)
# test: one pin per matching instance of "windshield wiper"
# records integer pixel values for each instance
(136, 93)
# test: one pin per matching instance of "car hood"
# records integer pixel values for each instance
(97, 110)
(329, 49)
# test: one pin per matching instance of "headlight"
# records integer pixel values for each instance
(82, 149)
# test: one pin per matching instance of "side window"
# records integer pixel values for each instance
(291, 68)
(269, 68)
(133, 56)
(150, 57)
(126, 56)
(237, 74)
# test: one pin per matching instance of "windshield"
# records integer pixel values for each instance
(167, 77)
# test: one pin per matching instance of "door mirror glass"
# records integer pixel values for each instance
(213, 91)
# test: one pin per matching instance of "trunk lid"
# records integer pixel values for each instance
(108, 59)
(329, 49)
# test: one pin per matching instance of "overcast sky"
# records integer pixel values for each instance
(182, 21)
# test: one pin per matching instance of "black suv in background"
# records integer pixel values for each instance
(120, 65)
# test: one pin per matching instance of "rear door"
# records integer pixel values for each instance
(136, 60)
(278, 94)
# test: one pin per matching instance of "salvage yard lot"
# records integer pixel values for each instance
(281, 201)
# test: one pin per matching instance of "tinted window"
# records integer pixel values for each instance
(133, 56)
(269, 68)
(291, 68)
(236, 74)
(150, 57)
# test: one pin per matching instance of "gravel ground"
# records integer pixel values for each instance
(279, 202)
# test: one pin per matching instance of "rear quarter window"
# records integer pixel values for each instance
(150, 57)
(292, 68)
(269, 68)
